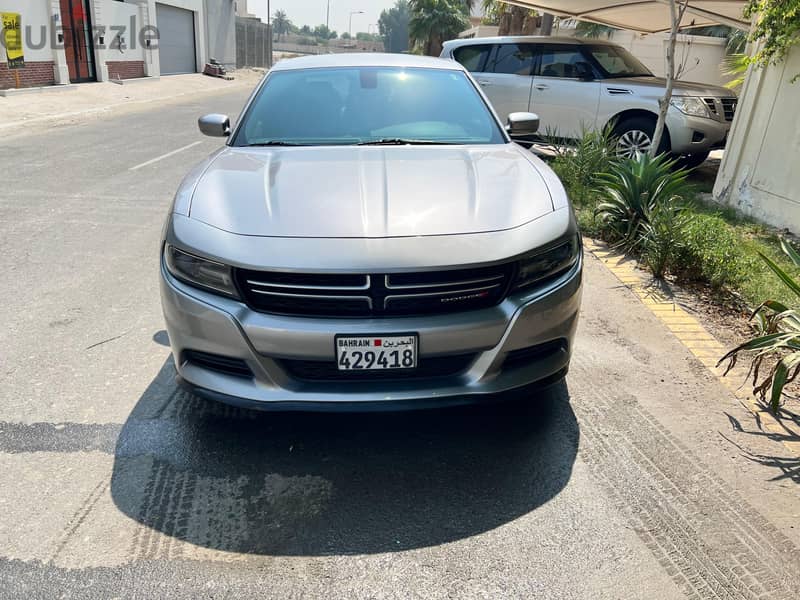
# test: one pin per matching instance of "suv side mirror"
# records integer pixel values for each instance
(522, 123)
(215, 125)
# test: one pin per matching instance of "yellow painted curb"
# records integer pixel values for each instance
(691, 333)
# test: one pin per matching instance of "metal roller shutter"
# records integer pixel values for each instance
(176, 45)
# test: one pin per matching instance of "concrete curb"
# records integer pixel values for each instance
(135, 80)
(691, 333)
(49, 89)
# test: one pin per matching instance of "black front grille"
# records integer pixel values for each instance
(729, 108)
(369, 295)
(216, 362)
(427, 368)
(722, 107)
(711, 104)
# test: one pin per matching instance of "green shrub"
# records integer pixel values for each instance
(578, 166)
(634, 190)
(663, 234)
(589, 224)
(709, 251)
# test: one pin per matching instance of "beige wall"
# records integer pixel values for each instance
(479, 31)
(760, 172)
(241, 8)
(698, 57)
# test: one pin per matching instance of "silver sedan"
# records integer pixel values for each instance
(369, 237)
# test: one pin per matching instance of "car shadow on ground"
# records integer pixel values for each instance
(324, 484)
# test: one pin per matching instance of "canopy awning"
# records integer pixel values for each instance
(646, 16)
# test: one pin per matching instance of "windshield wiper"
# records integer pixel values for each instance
(275, 143)
(402, 142)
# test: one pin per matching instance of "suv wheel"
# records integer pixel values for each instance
(635, 136)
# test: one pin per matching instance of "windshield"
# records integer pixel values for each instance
(363, 105)
(618, 62)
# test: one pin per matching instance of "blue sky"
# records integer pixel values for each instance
(312, 12)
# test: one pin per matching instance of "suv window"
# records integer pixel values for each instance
(473, 58)
(513, 59)
(562, 62)
(618, 62)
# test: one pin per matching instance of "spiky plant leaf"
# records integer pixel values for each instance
(778, 344)
(782, 275)
(793, 255)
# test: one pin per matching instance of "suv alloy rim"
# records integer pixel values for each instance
(633, 144)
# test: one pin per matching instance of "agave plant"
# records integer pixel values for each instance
(777, 342)
(634, 189)
(663, 234)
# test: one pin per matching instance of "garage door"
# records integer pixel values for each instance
(176, 40)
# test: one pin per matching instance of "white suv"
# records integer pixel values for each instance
(575, 84)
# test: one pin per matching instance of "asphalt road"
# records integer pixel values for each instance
(639, 478)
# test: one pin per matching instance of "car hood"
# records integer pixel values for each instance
(370, 192)
(681, 88)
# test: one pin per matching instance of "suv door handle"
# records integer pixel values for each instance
(542, 86)
(484, 82)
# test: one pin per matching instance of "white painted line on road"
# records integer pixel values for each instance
(163, 156)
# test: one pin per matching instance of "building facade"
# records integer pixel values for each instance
(75, 41)
(240, 8)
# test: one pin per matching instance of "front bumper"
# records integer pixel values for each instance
(198, 321)
(692, 135)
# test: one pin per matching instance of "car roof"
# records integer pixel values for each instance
(366, 59)
(529, 39)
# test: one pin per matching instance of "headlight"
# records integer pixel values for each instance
(200, 272)
(689, 105)
(538, 267)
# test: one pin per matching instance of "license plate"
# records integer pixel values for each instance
(376, 352)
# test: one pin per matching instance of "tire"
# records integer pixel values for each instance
(634, 136)
(692, 161)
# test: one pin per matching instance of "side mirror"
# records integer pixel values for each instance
(215, 125)
(522, 123)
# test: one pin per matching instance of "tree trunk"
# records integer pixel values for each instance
(517, 19)
(676, 11)
(434, 45)
(530, 24)
(505, 23)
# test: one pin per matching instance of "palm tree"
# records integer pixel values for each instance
(281, 23)
(434, 21)
(512, 20)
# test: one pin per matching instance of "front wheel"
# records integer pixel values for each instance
(635, 137)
